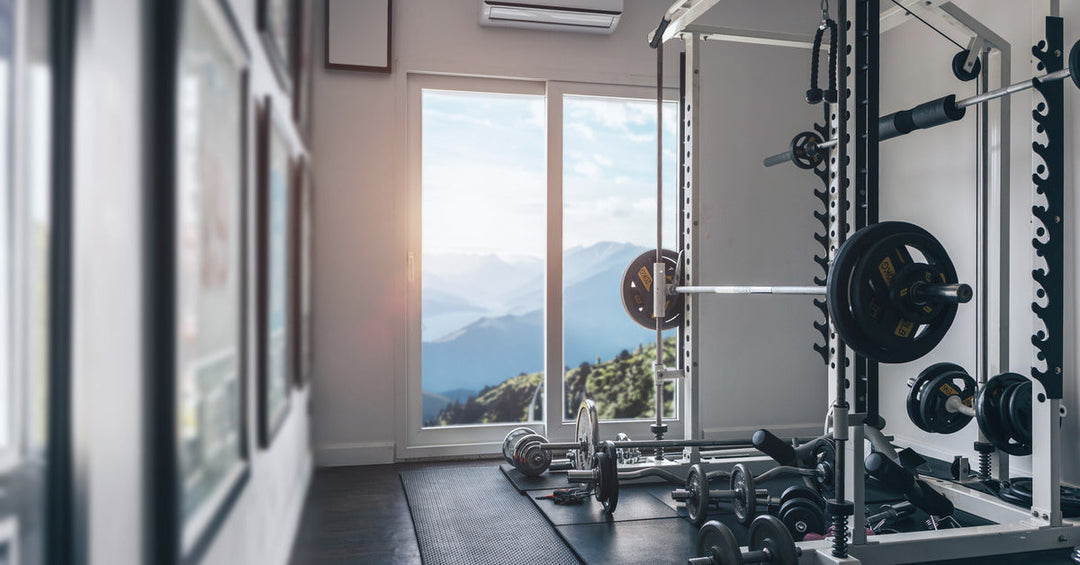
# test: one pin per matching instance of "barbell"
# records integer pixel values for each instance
(891, 290)
(807, 148)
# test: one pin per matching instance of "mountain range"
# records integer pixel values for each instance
(504, 336)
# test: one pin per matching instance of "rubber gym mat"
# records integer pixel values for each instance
(471, 515)
(548, 480)
(635, 503)
(669, 540)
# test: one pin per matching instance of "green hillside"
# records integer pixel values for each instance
(622, 388)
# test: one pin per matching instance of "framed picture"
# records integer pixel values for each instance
(207, 267)
(302, 275)
(358, 35)
(277, 27)
(302, 68)
(274, 317)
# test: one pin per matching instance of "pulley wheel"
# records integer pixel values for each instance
(716, 540)
(586, 434)
(744, 503)
(958, 67)
(697, 485)
(769, 533)
(636, 290)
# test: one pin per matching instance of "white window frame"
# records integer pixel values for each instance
(479, 439)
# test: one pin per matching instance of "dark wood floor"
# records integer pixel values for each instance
(359, 515)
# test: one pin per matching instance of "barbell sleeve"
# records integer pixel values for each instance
(956, 293)
(795, 290)
(779, 158)
(954, 404)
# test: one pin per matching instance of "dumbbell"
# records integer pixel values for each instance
(801, 509)
(943, 400)
(770, 543)
(521, 448)
(698, 497)
(819, 455)
(901, 480)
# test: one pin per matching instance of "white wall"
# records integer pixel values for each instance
(929, 178)
(108, 375)
(361, 212)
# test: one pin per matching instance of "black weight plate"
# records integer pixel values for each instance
(802, 516)
(958, 67)
(894, 338)
(636, 290)
(799, 491)
(824, 453)
(744, 503)
(935, 397)
(804, 150)
(838, 284)
(902, 285)
(1074, 63)
(988, 403)
(914, 410)
(1020, 412)
(697, 506)
(716, 540)
(768, 532)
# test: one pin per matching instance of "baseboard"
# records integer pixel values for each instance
(349, 454)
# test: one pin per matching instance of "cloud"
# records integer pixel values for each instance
(601, 160)
(587, 169)
(582, 131)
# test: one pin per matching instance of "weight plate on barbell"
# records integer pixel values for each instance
(914, 408)
(510, 442)
(802, 516)
(529, 458)
(636, 290)
(607, 488)
(824, 455)
(716, 540)
(744, 503)
(769, 533)
(1020, 412)
(697, 485)
(859, 298)
(805, 152)
(951, 380)
(586, 433)
(989, 402)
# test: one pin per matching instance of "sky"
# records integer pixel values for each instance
(484, 170)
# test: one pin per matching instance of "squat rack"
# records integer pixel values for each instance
(1042, 527)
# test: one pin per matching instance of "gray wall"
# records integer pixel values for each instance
(108, 316)
(361, 216)
(929, 178)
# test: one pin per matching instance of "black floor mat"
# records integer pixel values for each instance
(472, 515)
(522, 482)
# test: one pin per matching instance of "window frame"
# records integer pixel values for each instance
(417, 441)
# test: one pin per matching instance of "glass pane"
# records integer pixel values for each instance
(7, 130)
(483, 208)
(209, 265)
(609, 218)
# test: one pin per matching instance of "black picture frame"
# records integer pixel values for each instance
(276, 22)
(303, 353)
(196, 221)
(361, 61)
(275, 318)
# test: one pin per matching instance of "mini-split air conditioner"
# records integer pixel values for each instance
(586, 16)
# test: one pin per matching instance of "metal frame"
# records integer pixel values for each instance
(1018, 530)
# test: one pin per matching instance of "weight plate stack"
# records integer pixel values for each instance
(586, 434)
(927, 401)
(510, 443)
(1003, 410)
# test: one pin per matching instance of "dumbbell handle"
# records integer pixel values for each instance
(681, 494)
(954, 404)
(957, 293)
(756, 556)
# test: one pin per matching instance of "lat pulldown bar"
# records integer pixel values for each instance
(924, 116)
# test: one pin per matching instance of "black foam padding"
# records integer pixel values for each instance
(470, 515)
(635, 503)
(781, 451)
(925, 115)
(546, 481)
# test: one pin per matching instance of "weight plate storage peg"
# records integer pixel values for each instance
(636, 290)
(586, 434)
(892, 292)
